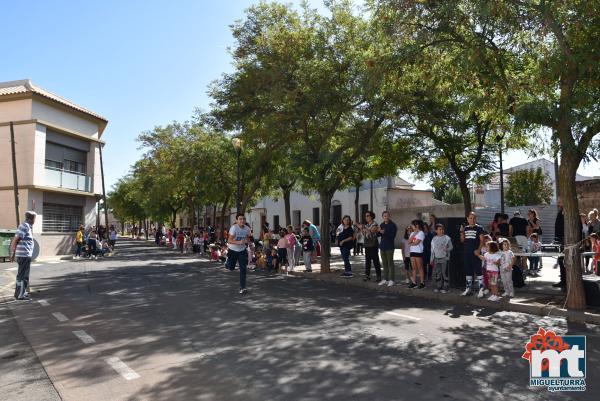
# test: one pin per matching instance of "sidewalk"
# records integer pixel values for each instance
(537, 298)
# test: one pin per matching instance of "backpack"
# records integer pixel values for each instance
(517, 277)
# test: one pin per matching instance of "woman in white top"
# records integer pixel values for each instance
(416, 253)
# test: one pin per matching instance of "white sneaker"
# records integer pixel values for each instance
(504, 294)
(390, 283)
(494, 298)
(444, 291)
(486, 291)
(466, 292)
(480, 294)
(436, 290)
(491, 297)
(382, 282)
(511, 295)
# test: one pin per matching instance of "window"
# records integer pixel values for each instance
(59, 157)
(75, 167)
(276, 225)
(54, 165)
(316, 219)
(364, 208)
(296, 218)
(61, 218)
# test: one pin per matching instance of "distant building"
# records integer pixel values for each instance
(388, 193)
(488, 195)
(58, 163)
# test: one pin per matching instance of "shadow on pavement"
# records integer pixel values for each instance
(288, 339)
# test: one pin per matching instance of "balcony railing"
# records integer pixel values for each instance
(68, 180)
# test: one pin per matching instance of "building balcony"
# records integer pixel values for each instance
(68, 180)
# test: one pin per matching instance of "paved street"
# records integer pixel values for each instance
(149, 324)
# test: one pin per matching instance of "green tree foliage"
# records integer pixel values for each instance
(539, 61)
(309, 82)
(529, 187)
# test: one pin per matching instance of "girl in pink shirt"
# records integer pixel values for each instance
(291, 247)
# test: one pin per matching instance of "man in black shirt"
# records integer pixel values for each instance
(470, 235)
(518, 229)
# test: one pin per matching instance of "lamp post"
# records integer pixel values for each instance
(237, 145)
(499, 139)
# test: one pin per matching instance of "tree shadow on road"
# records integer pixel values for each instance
(288, 339)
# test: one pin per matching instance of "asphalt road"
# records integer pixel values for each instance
(149, 324)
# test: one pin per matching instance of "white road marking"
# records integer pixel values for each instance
(404, 316)
(12, 269)
(84, 337)
(43, 302)
(60, 317)
(122, 368)
(54, 262)
(36, 265)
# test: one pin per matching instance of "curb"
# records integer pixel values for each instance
(504, 305)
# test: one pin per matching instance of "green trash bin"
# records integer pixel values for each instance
(6, 237)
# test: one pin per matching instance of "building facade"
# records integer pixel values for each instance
(488, 195)
(389, 193)
(57, 149)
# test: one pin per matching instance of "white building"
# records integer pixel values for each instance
(488, 195)
(389, 193)
(58, 163)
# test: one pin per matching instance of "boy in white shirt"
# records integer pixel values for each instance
(441, 246)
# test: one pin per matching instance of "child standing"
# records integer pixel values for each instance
(282, 245)
(307, 248)
(406, 251)
(534, 261)
(485, 238)
(416, 254)
(180, 240)
(492, 260)
(291, 248)
(506, 266)
(272, 261)
(441, 246)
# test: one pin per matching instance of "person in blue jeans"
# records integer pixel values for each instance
(346, 243)
(239, 235)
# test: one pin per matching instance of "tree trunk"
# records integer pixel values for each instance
(223, 210)
(567, 190)
(214, 222)
(356, 202)
(287, 205)
(173, 217)
(464, 190)
(146, 228)
(325, 235)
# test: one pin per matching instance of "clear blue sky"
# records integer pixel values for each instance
(137, 63)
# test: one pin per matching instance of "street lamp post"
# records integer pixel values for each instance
(237, 145)
(499, 139)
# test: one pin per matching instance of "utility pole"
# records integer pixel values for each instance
(104, 191)
(14, 166)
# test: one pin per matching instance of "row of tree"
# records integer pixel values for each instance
(325, 101)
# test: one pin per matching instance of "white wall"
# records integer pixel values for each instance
(39, 155)
(305, 204)
(63, 119)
